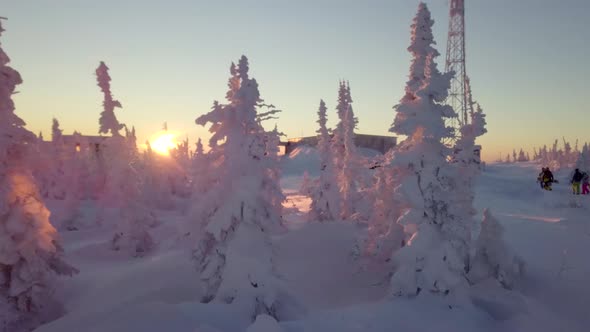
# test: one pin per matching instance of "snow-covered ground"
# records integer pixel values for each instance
(159, 292)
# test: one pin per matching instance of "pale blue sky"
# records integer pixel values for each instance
(527, 59)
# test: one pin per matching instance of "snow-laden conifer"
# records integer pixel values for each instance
(236, 215)
(108, 121)
(30, 252)
(325, 196)
(436, 256)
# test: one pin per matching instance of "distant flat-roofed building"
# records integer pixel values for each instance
(375, 142)
(79, 142)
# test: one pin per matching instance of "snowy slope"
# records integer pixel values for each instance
(159, 292)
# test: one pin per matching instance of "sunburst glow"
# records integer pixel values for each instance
(162, 143)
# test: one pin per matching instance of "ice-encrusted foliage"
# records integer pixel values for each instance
(325, 196)
(349, 173)
(199, 150)
(437, 255)
(30, 254)
(384, 235)
(56, 133)
(467, 165)
(236, 214)
(346, 160)
(123, 192)
(421, 46)
(337, 141)
(108, 121)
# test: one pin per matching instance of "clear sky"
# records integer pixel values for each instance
(527, 59)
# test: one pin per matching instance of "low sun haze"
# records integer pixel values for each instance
(170, 60)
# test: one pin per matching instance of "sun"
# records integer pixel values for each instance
(162, 143)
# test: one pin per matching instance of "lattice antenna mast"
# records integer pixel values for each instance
(458, 95)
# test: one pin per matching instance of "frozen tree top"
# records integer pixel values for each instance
(108, 121)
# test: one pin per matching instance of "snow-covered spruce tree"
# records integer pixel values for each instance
(349, 172)
(325, 197)
(199, 150)
(492, 258)
(235, 216)
(583, 161)
(344, 104)
(30, 254)
(123, 193)
(122, 186)
(177, 169)
(468, 164)
(200, 171)
(157, 185)
(57, 184)
(436, 257)
(108, 121)
(384, 235)
(56, 132)
(346, 160)
(514, 156)
(181, 154)
(568, 158)
(131, 139)
(274, 193)
(521, 156)
(469, 133)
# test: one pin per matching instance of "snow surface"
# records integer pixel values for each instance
(159, 292)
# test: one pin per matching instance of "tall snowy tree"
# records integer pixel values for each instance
(437, 254)
(235, 216)
(583, 160)
(56, 168)
(122, 190)
(201, 171)
(30, 253)
(338, 139)
(521, 156)
(346, 159)
(274, 194)
(349, 171)
(199, 150)
(325, 197)
(178, 169)
(469, 132)
(514, 156)
(123, 193)
(56, 133)
(108, 121)
(131, 138)
(384, 235)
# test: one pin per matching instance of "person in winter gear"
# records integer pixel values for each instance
(540, 177)
(585, 183)
(576, 180)
(547, 179)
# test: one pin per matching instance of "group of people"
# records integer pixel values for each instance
(578, 180)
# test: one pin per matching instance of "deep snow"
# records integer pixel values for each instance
(159, 292)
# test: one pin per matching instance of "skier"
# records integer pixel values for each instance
(576, 180)
(585, 183)
(547, 179)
